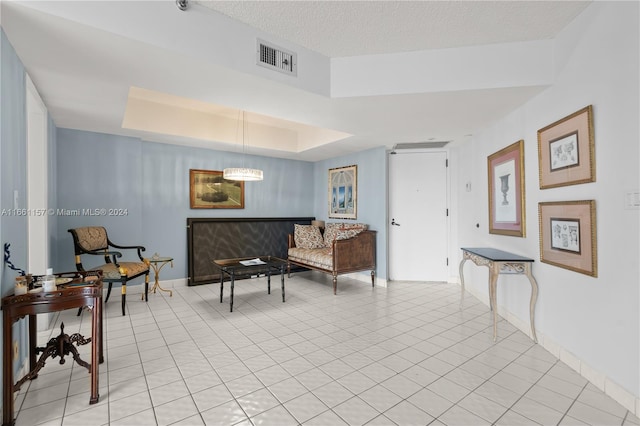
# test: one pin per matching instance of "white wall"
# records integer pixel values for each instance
(592, 323)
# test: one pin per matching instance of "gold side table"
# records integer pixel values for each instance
(157, 263)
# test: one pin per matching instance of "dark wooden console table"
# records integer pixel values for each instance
(84, 289)
(501, 262)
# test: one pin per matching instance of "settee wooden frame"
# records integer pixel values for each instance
(349, 255)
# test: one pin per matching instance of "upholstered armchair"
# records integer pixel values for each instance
(93, 240)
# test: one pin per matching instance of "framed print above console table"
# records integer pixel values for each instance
(566, 151)
(506, 191)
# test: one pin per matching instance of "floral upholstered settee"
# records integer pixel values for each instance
(344, 248)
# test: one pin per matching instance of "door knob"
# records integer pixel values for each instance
(393, 222)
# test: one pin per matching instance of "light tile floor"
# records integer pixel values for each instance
(403, 355)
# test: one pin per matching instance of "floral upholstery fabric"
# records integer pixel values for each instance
(92, 238)
(111, 272)
(342, 231)
(319, 257)
(307, 236)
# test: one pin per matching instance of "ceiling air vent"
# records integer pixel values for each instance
(276, 58)
(420, 145)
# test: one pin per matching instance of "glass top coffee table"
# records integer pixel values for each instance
(247, 267)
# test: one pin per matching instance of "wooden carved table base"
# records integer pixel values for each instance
(58, 346)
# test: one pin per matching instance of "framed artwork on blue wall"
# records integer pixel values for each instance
(343, 192)
(209, 190)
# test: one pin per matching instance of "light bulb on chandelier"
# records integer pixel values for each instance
(242, 173)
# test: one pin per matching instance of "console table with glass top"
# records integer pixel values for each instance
(80, 289)
(247, 267)
(501, 262)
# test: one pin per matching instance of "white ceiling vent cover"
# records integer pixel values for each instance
(276, 58)
(421, 145)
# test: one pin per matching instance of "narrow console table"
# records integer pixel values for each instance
(80, 289)
(501, 262)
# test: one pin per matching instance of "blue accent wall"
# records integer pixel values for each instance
(13, 154)
(13, 170)
(151, 182)
(371, 193)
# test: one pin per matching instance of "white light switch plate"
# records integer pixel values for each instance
(632, 200)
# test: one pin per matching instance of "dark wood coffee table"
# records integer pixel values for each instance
(244, 267)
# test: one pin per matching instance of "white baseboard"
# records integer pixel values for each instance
(169, 284)
(379, 282)
(595, 377)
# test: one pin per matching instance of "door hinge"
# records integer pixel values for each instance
(446, 162)
(447, 212)
(447, 261)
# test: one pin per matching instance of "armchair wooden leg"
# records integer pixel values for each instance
(108, 293)
(373, 277)
(335, 284)
(124, 296)
(146, 288)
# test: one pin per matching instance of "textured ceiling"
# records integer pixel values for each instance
(350, 28)
(86, 56)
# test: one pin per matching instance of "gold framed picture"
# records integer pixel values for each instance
(506, 191)
(568, 235)
(209, 190)
(566, 151)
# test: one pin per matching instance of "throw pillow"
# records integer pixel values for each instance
(307, 236)
(342, 231)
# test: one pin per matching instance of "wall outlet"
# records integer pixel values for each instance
(632, 200)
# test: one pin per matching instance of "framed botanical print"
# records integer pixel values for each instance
(343, 192)
(209, 190)
(568, 235)
(506, 191)
(566, 151)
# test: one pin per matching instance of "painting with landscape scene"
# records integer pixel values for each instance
(208, 189)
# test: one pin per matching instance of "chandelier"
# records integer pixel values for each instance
(242, 173)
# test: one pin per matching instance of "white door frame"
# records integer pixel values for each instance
(37, 187)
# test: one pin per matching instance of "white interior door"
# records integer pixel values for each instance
(418, 232)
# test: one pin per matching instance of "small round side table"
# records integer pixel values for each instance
(157, 262)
